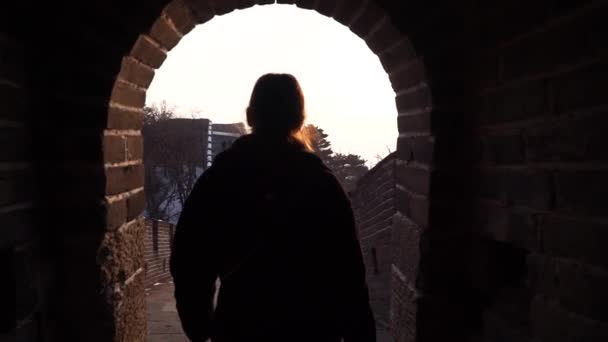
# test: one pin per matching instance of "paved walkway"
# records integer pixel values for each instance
(163, 322)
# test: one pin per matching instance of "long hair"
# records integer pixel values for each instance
(277, 109)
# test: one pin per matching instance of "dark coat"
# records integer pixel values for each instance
(273, 223)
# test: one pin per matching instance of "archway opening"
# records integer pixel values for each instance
(407, 77)
(195, 107)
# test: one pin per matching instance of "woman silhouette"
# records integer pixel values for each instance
(273, 223)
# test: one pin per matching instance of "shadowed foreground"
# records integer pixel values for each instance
(163, 322)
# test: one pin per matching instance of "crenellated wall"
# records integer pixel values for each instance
(373, 203)
(501, 169)
(158, 239)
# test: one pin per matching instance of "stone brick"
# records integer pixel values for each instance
(114, 148)
(542, 275)
(89, 146)
(571, 42)
(405, 247)
(13, 101)
(180, 15)
(550, 322)
(121, 252)
(119, 118)
(517, 103)
(73, 185)
(497, 327)
(130, 314)
(15, 144)
(221, 7)
(503, 149)
(116, 214)
(418, 149)
(16, 187)
(135, 205)
(384, 37)
(414, 179)
(203, 10)
(402, 202)
(163, 33)
(305, 4)
(136, 72)
(135, 147)
(561, 140)
(369, 19)
(347, 11)
(121, 179)
(582, 192)
(397, 56)
(414, 100)
(582, 290)
(495, 20)
(412, 75)
(243, 4)
(417, 210)
(533, 189)
(328, 7)
(147, 52)
(528, 188)
(513, 227)
(84, 85)
(485, 69)
(128, 95)
(577, 239)
(403, 312)
(581, 89)
(122, 148)
(11, 60)
(19, 227)
(26, 294)
(433, 311)
(523, 231)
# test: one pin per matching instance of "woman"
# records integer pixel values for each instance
(273, 223)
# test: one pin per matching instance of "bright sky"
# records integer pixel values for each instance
(211, 72)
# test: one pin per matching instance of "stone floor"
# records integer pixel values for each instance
(163, 322)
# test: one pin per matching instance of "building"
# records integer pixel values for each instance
(221, 136)
(177, 151)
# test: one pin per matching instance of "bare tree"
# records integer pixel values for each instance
(173, 159)
(158, 189)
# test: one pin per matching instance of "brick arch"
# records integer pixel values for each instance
(506, 242)
(405, 69)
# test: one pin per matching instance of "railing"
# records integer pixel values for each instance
(158, 242)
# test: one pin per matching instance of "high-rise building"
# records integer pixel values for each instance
(221, 136)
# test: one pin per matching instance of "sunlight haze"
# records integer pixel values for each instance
(211, 73)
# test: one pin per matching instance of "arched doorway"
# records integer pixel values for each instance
(367, 20)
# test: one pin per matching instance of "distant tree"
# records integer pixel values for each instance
(156, 113)
(158, 189)
(317, 139)
(348, 168)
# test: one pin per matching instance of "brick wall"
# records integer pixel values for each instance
(158, 240)
(541, 213)
(25, 254)
(501, 166)
(374, 208)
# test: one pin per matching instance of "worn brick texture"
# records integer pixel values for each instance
(374, 208)
(157, 242)
(501, 155)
